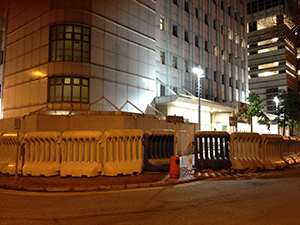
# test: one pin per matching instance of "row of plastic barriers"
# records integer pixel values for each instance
(242, 151)
(86, 153)
(126, 152)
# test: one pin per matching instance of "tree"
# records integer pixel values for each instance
(255, 109)
(288, 112)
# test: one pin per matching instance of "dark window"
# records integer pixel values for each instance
(186, 66)
(279, 19)
(186, 6)
(261, 5)
(162, 90)
(162, 57)
(229, 10)
(70, 43)
(68, 89)
(175, 31)
(222, 5)
(206, 19)
(230, 82)
(252, 26)
(196, 41)
(215, 76)
(206, 46)
(223, 78)
(1, 57)
(215, 24)
(186, 36)
(197, 13)
(175, 2)
(268, 4)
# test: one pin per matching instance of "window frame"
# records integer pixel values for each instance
(58, 87)
(69, 42)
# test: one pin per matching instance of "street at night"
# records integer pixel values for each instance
(262, 198)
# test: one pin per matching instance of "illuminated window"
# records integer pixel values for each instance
(175, 62)
(70, 43)
(268, 73)
(269, 41)
(268, 65)
(266, 22)
(215, 50)
(267, 49)
(68, 89)
(162, 24)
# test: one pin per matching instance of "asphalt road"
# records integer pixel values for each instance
(273, 200)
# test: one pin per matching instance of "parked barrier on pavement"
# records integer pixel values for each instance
(122, 152)
(80, 151)
(158, 149)
(245, 151)
(8, 150)
(211, 150)
(42, 153)
(271, 152)
(285, 150)
(294, 149)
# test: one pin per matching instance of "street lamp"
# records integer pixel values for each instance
(276, 100)
(199, 72)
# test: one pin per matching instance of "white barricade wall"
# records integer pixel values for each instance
(285, 150)
(80, 152)
(245, 151)
(122, 152)
(294, 149)
(42, 153)
(8, 150)
(271, 151)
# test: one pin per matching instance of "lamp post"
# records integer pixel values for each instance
(276, 100)
(199, 72)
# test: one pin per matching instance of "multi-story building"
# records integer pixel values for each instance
(272, 46)
(136, 56)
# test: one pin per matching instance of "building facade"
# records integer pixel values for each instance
(135, 56)
(272, 47)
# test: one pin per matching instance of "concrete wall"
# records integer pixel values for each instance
(101, 122)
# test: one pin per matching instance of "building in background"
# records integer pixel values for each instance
(273, 27)
(68, 56)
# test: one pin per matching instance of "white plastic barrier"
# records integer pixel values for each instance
(285, 150)
(122, 152)
(294, 149)
(81, 153)
(42, 153)
(245, 151)
(271, 152)
(8, 151)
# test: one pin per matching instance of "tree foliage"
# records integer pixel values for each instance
(255, 109)
(288, 112)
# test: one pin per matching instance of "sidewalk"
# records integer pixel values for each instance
(146, 179)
